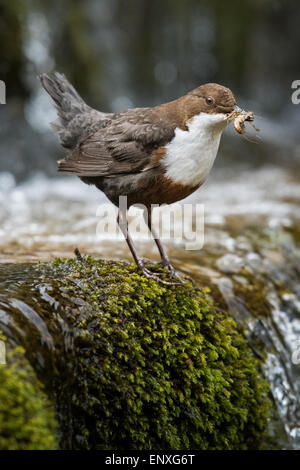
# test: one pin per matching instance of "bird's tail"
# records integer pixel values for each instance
(70, 106)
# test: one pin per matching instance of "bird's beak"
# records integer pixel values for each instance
(237, 109)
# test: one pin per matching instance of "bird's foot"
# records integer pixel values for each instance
(156, 276)
(78, 255)
(165, 262)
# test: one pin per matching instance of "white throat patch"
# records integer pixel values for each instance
(190, 154)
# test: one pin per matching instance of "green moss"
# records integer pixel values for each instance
(213, 290)
(153, 367)
(27, 419)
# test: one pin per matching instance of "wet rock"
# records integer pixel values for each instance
(132, 364)
(230, 263)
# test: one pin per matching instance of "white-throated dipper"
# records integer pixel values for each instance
(156, 155)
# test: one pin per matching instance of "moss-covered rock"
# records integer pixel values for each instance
(27, 418)
(155, 367)
(132, 364)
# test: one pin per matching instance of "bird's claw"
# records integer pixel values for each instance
(173, 273)
(156, 276)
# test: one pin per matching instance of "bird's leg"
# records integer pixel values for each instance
(123, 224)
(163, 254)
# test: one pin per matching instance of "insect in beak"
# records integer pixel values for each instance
(237, 109)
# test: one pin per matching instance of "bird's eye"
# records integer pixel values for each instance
(209, 100)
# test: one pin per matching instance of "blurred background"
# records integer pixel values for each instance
(121, 54)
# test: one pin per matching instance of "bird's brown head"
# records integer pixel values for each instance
(210, 98)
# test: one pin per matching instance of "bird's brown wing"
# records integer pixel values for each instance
(126, 145)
